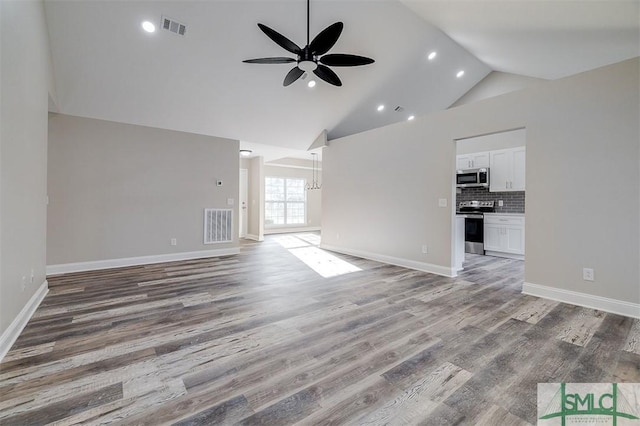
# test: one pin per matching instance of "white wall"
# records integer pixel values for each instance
(25, 84)
(380, 194)
(123, 191)
(381, 188)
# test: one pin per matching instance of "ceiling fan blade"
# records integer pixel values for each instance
(345, 60)
(326, 74)
(292, 75)
(278, 60)
(281, 40)
(324, 41)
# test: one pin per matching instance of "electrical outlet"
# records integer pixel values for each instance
(174, 241)
(230, 201)
(442, 202)
(32, 277)
(425, 249)
(24, 282)
(588, 274)
(500, 203)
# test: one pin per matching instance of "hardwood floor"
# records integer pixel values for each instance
(261, 338)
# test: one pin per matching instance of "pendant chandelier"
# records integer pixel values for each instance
(314, 183)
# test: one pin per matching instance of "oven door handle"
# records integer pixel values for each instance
(472, 216)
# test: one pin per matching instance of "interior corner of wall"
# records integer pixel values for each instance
(53, 105)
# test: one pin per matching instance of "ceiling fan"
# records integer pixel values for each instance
(312, 57)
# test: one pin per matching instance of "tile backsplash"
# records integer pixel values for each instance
(513, 201)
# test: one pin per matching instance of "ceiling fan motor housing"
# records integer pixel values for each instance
(307, 61)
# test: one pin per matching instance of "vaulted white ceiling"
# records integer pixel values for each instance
(106, 67)
(546, 39)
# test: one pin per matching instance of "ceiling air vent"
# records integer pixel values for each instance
(173, 26)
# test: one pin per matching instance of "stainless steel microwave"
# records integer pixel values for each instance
(472, 178)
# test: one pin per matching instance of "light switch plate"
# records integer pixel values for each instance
(442, 202)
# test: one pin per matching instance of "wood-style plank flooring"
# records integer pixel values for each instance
(262, 338)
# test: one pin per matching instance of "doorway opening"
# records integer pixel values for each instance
(490, 199)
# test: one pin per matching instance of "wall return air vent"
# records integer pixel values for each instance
(218, 226)
(173, 26)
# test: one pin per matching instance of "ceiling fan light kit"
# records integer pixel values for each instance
(312, 57)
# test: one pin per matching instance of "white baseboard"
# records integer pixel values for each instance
(406, 263)
(66, 268)
(253, 237)
(290, 230)
(582, 299)
(505, 255)
(11, 334)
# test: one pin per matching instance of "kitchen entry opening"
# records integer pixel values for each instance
(285, 202)
(489, 184)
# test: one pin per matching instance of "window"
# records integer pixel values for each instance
(285, 201)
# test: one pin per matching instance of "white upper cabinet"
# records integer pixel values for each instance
(499, 171)
(519, 157)
(507, 170)
(478, 160)
(463, 162)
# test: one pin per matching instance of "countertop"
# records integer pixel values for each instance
(505, 214)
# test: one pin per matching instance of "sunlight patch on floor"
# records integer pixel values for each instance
(289, 241)
(324, 263)
(313, 239)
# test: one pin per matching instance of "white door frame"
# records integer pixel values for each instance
(244, 203)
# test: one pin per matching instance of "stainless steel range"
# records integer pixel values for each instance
(473, 212)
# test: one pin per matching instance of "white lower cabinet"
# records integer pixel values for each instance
(492, 237)
(504, 235)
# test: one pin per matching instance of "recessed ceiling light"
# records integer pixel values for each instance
(411, 117)
(460, 73)
(148, 27)
(380, 107)
(432, 55)
(245, 152)
(311, 83)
